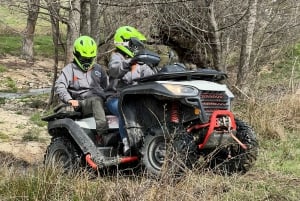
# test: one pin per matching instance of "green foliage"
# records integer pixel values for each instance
(10, 44)
(10, 83)
(2, 68)
(14, 22)
(43, 45)
(2, 101)
(3, 136)
(282, 156)
(36, 119)
(285, 72)
(33, 134)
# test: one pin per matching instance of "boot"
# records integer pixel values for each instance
(126, 147)
(100, 141)
(101, 137)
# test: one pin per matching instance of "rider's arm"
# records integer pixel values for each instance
(146, 70)
(62, 84)
(104, 79)
(118, 66)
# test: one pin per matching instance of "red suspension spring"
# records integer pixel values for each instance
(175, 112)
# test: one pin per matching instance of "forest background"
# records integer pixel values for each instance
(255, 42)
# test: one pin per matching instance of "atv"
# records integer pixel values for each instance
(173, 119)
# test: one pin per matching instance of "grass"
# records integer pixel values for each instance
(2, 69)
(10, 84)
(284, 73)
(10, 44)
(33, 134)
(41, 184)
(36, 119)
(3, 136)
(281, 156)
(13, 23)
(2, 101)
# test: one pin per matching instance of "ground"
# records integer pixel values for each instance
(19, 136)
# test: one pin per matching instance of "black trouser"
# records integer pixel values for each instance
(94, 105)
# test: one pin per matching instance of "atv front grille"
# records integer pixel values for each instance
(214, 100)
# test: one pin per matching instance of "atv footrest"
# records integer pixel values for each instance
(108, 151)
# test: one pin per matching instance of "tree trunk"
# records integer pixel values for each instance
(95, 20)
(27, 46)
(213, 35)
(73, 29)
(247, 42)
(85, 26)
(53, 8)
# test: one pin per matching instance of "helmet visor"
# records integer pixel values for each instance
(85, 62)
(135, 45)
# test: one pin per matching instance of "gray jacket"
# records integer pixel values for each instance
(122, 74)
(73, 83)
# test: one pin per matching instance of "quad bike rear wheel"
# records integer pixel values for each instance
(234, 159)
(62, 153)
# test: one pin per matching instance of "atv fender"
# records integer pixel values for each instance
(85, 143)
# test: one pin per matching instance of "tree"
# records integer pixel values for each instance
(73, 30)
(246, 44)
(241, 36)
(95, 20)
(85, 24)
(27, 46)
(54, 8)
(214, 36)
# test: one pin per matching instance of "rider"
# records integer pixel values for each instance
(128, 40)
(82, 83)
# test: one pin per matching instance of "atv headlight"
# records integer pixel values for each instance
(181, 90)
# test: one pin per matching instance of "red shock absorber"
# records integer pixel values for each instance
(175, 112)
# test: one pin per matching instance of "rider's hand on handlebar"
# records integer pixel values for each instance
(134, 61)
(127, 64)
(74, 103)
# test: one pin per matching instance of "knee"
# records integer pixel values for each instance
(96, 100)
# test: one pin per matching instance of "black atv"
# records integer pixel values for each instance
(173, 118)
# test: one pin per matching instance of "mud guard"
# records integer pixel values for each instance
(80, 137)
(94, 155)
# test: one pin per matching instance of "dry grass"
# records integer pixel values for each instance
(39, 184)
(274, 116)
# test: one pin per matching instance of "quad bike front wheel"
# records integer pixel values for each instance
(165, 156)
(62, 153)
(234, 159)
(154, 153)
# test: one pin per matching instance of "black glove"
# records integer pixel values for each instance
(134, 61)
(127, 64)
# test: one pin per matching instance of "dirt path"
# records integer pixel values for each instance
(13, 131)
(19, 137)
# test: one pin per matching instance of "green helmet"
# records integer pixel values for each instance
(85, 52)
(128, 40)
